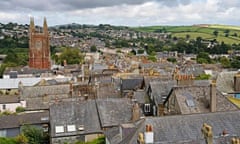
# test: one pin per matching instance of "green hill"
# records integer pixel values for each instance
(205, 31)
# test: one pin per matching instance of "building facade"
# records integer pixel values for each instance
(39, 47)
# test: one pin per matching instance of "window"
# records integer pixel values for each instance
(147, 108)
(71, 128)
(3, 106)
(59, 129)
(3, 133)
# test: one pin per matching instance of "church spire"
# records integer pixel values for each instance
(45, 27)
(32, 26)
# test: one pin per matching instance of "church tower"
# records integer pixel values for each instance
(39, 47)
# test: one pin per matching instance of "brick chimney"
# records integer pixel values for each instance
(207, 133)
(235, 141)
(213, 96)
(237, 82)
(135, 112)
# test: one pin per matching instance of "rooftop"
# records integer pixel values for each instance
(14, 121)
(196, 99)
(9, 99)
(114, 111)
(184, 129)
(79, 117)
(13, 83)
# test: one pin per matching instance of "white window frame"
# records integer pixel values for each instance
(147, 108)
(59, 129)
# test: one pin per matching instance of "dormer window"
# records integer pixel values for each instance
(147, 108)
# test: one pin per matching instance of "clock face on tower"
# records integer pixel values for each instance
(38, 44)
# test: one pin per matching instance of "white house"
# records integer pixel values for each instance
(10, 103)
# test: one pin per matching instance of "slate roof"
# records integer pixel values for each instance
(9, 99)
(195, 69)
(140, 96)
(107, 91)
(26, 70)
(186, 129)
(148, 79)
(14, 121)
(114, 111)
(225, 81)
(199, 95)
(75, 113)
(161, 89)
(13, 83)
(131, 82)
(38, 91)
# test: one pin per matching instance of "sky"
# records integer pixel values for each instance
(122, 12)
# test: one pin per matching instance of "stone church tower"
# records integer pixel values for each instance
(39, 47)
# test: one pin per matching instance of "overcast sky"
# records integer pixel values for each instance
(122, 12)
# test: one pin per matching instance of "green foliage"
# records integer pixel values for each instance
(100, 140)
(203, 77)
(120, 43)
(119, 51)
(215, 32)
(152, 58)
(198, 31)
(93, 48)
(172, 59)
(4, 140)
(34, 135)
(71, 55)
(225, 62)
(2, 69)
(140, 51)
(7, 112)
(20, 109)
(203, 57)
(235, 63)
(21, 139)
(13, 42)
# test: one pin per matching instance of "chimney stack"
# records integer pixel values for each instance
(235, 141)
(135, 112)
(140, 138)
(237, 82)
(207, 133)
(148, 135)
(213, 96)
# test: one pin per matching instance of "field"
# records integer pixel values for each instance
(204, 31)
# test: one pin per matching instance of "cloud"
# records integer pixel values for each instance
(122, 12)
(69, 5)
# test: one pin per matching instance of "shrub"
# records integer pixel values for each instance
(7, 112)
(21, 139)
(20, 109)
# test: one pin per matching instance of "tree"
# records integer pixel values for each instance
(235, 63)
(225, 62)
(187, 36)
(172, 59)
(203, 57)
(93, 48)
(152, 58)
(34, 135)
(71, 55)
(215, 32)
